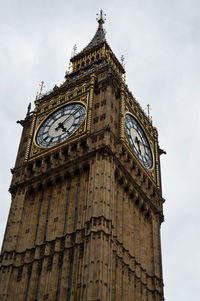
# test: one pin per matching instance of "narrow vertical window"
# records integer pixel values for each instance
(122, 228)
(38, 221)
(66, 210)
(47, 220)
(28, 283)
(38, 281)
(38, 287)
(76, 208)
(69, 281)
(59, 277)
(58, 286)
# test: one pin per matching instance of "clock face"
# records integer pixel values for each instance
(61, 125)
(138, 141)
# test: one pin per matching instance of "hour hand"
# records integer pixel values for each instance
(61, 126)
(138, 143)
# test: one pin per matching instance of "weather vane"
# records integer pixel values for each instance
(101, 17)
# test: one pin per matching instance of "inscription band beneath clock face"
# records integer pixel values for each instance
(61, 125)
(138, 141)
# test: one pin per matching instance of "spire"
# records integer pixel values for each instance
(100, 33)
(97, 52)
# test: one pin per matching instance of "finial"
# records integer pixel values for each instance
(74, 50)
(69, 67)
(37, 96)
(41, 87)
(123, 65)
(124, 77)
(101, 17)
(122, 60)
(28, 109)
(148, 108)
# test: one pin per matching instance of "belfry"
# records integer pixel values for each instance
(87, 205)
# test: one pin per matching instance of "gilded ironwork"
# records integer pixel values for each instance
(55, 104)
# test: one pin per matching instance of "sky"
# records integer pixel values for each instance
(160, 42)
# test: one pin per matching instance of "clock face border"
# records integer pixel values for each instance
(69, 138)
(150, 143)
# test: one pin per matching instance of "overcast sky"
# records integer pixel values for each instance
(160, 42)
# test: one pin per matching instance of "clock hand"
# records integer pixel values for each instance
(145, 145)
(139, 148)
(138, 143)
(60, 125)
(141, 142)
(68, 117)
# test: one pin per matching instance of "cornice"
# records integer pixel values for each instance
(63, 161)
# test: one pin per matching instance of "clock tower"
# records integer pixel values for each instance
(87, 206)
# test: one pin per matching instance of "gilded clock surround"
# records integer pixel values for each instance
(129, 105)
(151, 143)
(82, 94)
(81, 129)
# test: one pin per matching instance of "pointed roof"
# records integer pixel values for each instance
(97, 42)
(98, 38)
(99, 35)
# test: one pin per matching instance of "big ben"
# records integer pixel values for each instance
(87, 205)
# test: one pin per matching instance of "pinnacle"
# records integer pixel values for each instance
(100, 33)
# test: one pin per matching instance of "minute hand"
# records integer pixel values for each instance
(144, 144)
(68, 117)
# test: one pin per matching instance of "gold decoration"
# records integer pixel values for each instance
(46, 110)
(140, 119)
(122, 110)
